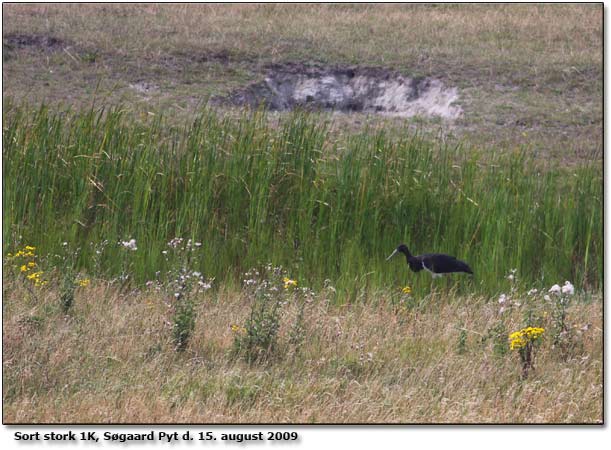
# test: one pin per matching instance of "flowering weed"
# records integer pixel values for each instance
(259, 340)
(523, 341)
(535, 307)
(403, 301)
(564, 340)
(184, 322)
(25, 261)
(182, 284)
(268, 293)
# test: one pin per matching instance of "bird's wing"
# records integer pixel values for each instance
(464, 266)
(415, 264)
(428, 262)
(440, 263)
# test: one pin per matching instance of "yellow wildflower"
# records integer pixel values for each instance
(31, 264)
(289, 283)
(407, 290)
(516, 342)
(24, 268)
(237, 329)
(30, 248)
(84, 282)
(519, 339)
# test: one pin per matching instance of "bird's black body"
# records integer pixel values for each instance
(436, 263)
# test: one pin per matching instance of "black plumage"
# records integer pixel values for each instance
(436, 263)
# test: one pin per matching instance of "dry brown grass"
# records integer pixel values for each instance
(474, 34)
(527, 74)
(111, 360)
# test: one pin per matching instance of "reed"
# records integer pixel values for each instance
(294, 194)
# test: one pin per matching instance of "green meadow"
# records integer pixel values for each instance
(293, 194)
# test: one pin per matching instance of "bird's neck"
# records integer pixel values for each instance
(407, 254)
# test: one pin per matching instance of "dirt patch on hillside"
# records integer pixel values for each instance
(32, 41)
(350, 89)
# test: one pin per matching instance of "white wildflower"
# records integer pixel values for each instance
(204, 286)
(555, 289)
(502, 299)
(532, 292)
(130, 245)
(175, 242)
(568, 288)
(547, 298)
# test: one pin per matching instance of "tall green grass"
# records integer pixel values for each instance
(294, 194)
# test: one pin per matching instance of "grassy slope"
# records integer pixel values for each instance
(529, 75)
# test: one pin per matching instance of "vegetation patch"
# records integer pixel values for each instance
(362, 363)
(293, 193)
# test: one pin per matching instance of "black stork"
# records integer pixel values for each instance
(436, 263)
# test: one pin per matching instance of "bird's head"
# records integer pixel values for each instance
(400, 249)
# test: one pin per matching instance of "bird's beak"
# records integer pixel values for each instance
(392, 254)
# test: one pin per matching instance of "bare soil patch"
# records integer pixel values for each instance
(16, 41)
(349, 89)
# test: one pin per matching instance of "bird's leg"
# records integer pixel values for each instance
(435, 275)
(448, 285)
